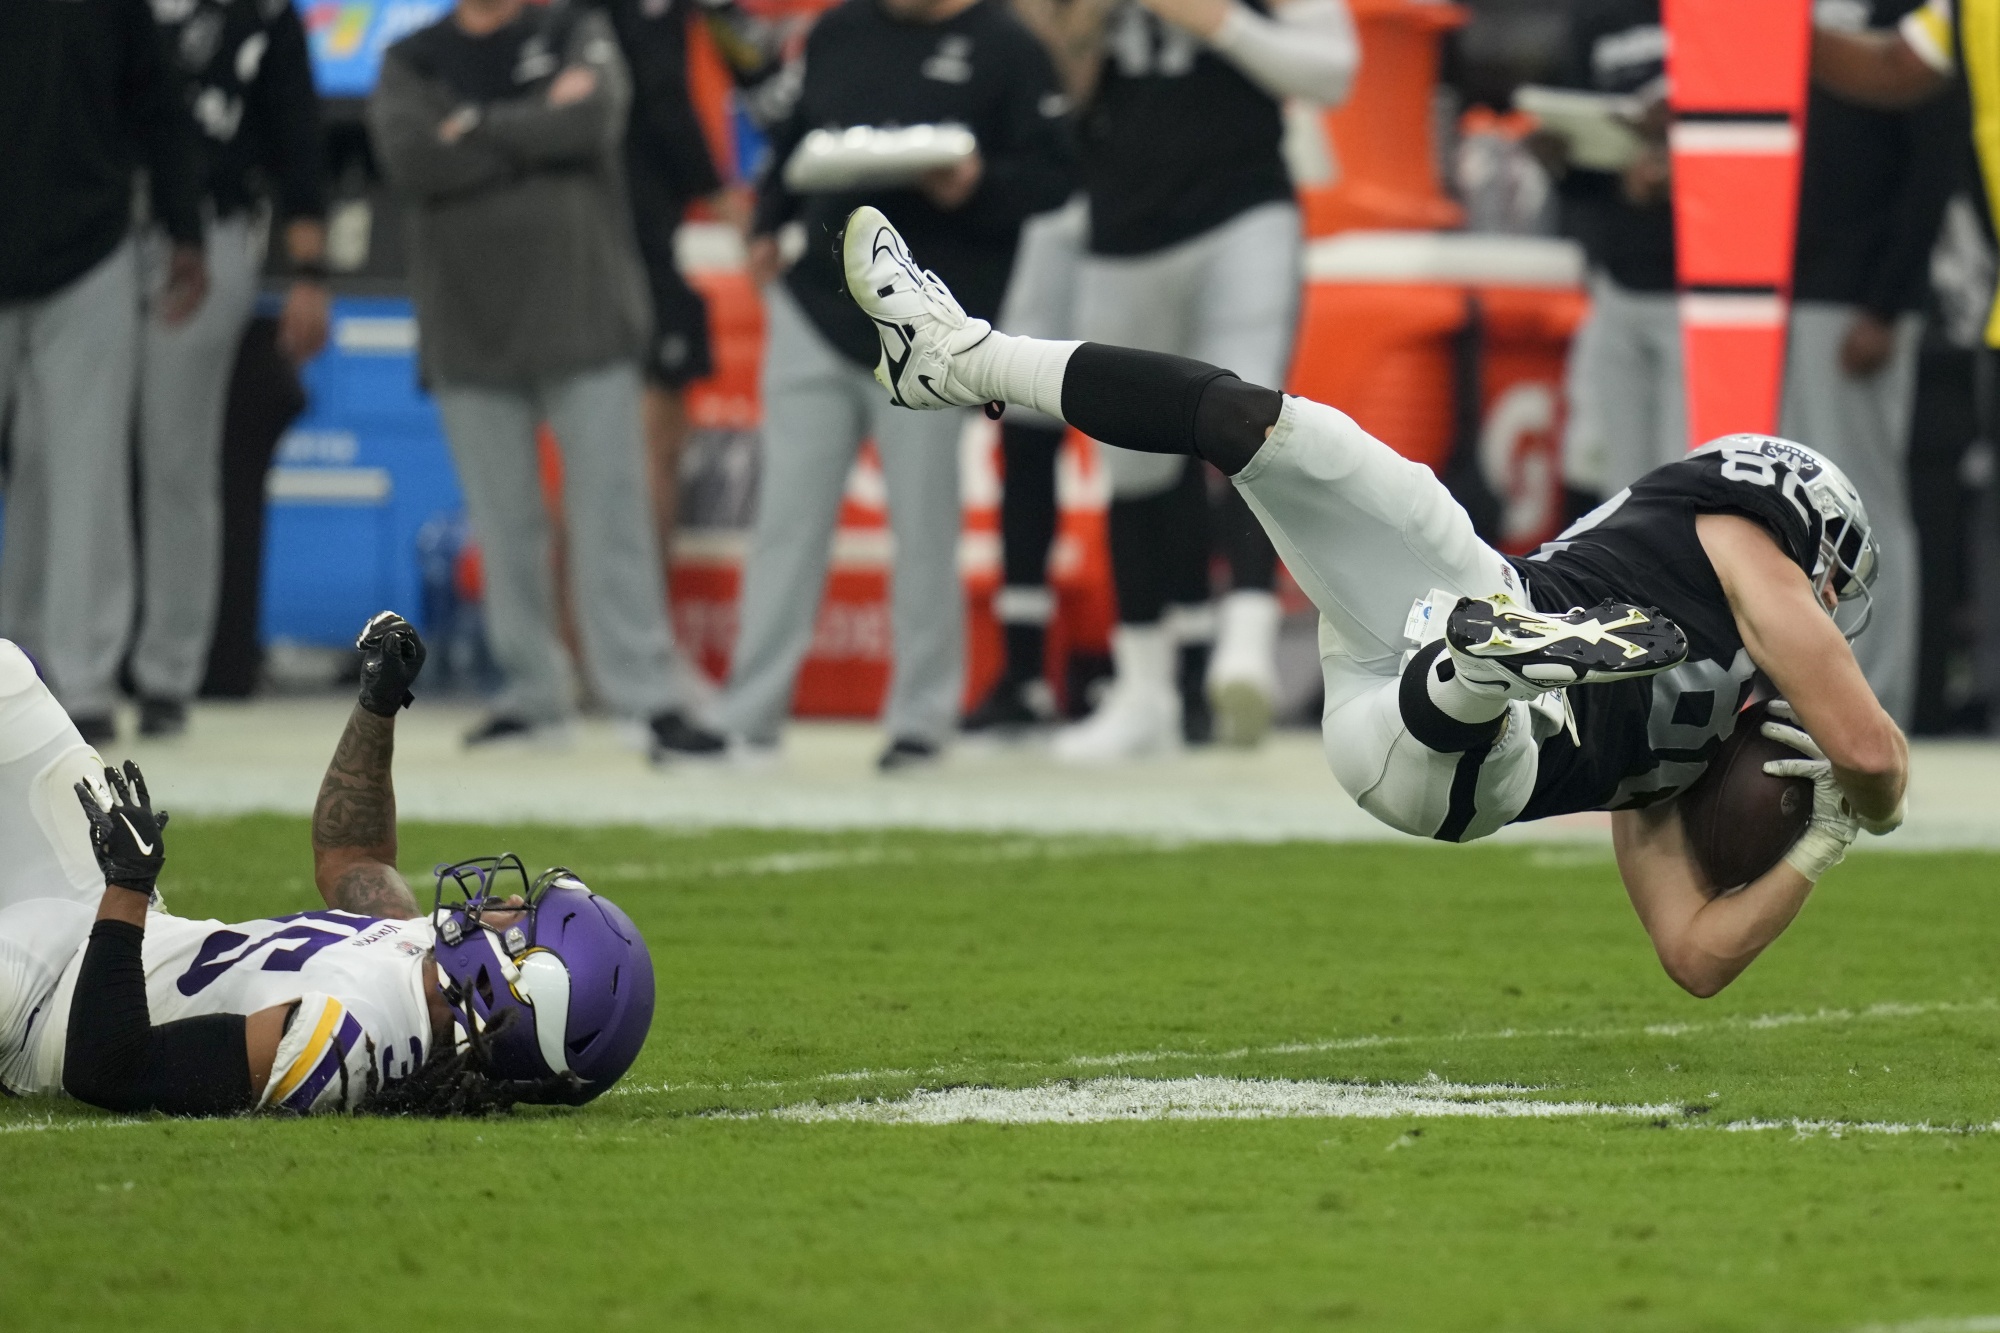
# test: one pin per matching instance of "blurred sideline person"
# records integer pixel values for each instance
(1625, 389)
(1040, 303)
(503, 124)
(883, 62)
(251, 93)
(668, 167)
(1194, 247)
(1872, 193)
(88, 96)
(1466, 690)
(544, 995)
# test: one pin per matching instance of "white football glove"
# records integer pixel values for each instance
(1834, 826)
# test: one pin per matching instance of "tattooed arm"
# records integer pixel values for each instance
(354, 822)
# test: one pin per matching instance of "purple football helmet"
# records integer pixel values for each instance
(570, 974)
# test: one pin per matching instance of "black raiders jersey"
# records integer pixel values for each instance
(1177, 141)
(1644, 740)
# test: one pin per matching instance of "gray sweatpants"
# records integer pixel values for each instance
(818, 407)
(614, 566)
(1627, 404)
(1863, 425)
(183, 389)
(1229, 296)
(67, 366)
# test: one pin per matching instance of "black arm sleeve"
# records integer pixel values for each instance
(154, 108)
(1934, 137)
(1028, 151)
(115, 1058)
(289, 106)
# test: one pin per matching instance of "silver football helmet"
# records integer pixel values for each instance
(1848, 558)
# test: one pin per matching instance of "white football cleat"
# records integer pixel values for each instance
(921, 325)
(1140, 714)
(1243, 673)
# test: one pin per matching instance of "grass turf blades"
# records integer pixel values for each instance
(819, 970)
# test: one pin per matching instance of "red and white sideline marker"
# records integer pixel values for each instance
(1736, 72)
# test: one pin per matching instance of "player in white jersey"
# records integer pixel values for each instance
(364, 1005)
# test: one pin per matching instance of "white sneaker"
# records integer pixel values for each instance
(1141, 712)
(920, 323)
(1243, 673)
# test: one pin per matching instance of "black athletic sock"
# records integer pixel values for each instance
(1160, 404)
(1027, 501)
(1027, 651)
(1141, 542)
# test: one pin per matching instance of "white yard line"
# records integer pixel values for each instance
(1752, 1023)
(1099, 1100)
(1978, 1323)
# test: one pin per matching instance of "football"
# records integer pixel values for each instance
(1739, 819)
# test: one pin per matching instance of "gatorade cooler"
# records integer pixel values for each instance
(1410, 333)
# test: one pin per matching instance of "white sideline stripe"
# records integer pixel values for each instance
(1978, 1323)
(1100, 1100)
(1754, 1023)
(1835, 1129)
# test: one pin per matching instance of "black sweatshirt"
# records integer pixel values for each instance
(980, 69)
(250, 88)
(1872, 191)
(88, 94)
(664, 142)
(1617, 46)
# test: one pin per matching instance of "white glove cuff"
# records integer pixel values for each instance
(1878, 827)
(1819, 849)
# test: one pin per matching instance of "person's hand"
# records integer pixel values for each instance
(1648, 178)
(1867, 346)
(1834, 824)
(1203, 18)
(573, 85)
(761, 261)
(125, 832)
(302, 323)
(1550, 150)
(949, 187)
(186, 286)
(458, 124)
(392, 657)
(732, 205)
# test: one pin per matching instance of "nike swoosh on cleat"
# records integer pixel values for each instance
(145, 848)
(925, 380)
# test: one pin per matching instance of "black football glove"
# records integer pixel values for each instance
(126, 834)
(392, 656)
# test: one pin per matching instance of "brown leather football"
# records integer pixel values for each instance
(1740, 820)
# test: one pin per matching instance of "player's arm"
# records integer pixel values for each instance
(113, 1055)
(1876, 68)
(1794, 641)
(1703, 943)
(354, 820)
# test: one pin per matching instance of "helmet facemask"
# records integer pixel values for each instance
(549, 983)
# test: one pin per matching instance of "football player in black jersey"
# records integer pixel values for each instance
(1464, 690)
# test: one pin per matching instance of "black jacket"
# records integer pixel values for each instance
(1617, 46)
(1872, 191)
(980, 69)
(250, 88)
(88, 95)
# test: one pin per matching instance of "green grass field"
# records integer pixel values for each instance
(800, 968)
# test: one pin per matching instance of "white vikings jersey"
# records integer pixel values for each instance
(363, 1019)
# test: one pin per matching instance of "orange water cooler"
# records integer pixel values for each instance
(1450, 348)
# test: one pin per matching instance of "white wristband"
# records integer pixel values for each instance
(1819, 849)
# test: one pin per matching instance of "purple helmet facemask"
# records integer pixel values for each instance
(564, 989)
